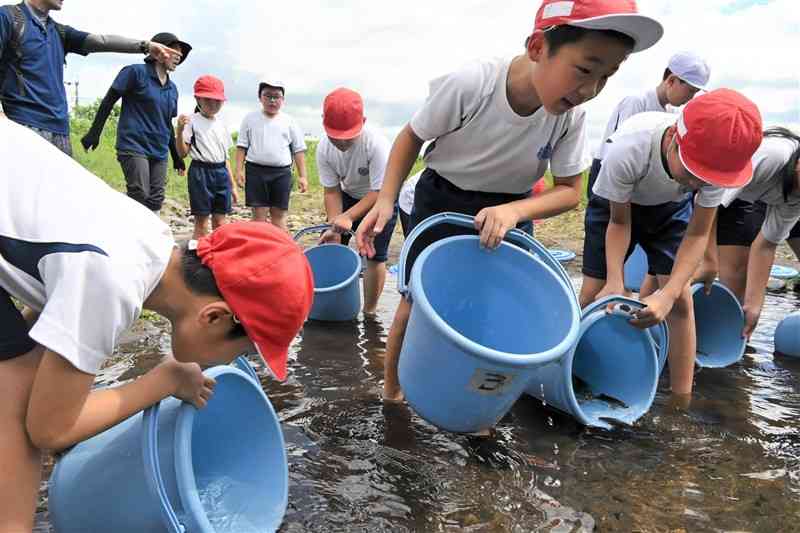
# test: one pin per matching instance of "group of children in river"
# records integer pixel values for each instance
(700, 189)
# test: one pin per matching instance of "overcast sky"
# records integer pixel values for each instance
(389, 51)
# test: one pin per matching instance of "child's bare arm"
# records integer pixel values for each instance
(180, 143)
(63, 410)
(402, 157)
(618, 238)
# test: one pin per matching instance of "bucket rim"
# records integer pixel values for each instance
(719, 287)
(591, 315)
(184, 470)
(496, 356)
(350, 278)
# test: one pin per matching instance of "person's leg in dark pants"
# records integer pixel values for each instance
(136, 169)
(158, 181)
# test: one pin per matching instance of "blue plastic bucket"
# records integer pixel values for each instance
(612, 374)
(244, 365)
(787, 335)
(783, 272)
(719, 321)
(481, 322)
(172, 468)
(336, 269)
(635, 269)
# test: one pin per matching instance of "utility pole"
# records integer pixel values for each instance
(76, 83)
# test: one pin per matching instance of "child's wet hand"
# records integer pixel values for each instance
(657, 307)
(191, 385)
(371, 226)
(183, 121)
(610, 289)
(751, 317)
(494, 222)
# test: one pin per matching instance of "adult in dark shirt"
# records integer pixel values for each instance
(33, 48)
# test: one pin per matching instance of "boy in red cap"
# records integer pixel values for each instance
(351, 161)
(85, 277)
(653, 164)
(498, 125)
(776, 186)
(208, 141)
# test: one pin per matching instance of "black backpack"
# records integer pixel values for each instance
(12, 55)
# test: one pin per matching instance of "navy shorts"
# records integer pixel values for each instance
(209, 189)
(739, 223)
(405, 222)
(381, 240)
(795, 233)
(267, 186)
(434, 195)
(14, 339)
(593, 172)
(658, 229)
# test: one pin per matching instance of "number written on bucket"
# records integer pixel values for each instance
(490, 381)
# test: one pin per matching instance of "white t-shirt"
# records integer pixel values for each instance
(481, 144)
(626, 108)
(767, 186)
(270, 141)
(212, 140)
(357, 171)
(406, 199)
(633, 170)
(74, 249)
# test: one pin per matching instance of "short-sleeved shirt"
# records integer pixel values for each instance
(270, 141)
(633, 168)
(208, 138)
(481, 144)
(357, 171)
(148, 107)
(626, 108)
(406, 199)
(43, 102)
(767, 186)
(87, 271)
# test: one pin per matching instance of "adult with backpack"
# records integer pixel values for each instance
(33, 48)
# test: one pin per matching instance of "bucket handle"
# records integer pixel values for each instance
(515, 236)
(319, 228)
(626, 308)
(153, 469)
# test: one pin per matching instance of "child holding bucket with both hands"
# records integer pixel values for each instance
(653, 163)
(776, 183)
(497, 126)
(208, 141)
(85, 276)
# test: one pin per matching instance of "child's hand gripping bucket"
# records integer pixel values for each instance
(336, 268)
(612, 374)
(719, 321)
(173, 468)
(481, 322)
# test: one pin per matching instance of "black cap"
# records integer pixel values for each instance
(168, 39)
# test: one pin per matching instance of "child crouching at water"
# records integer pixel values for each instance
(206, 139)
(85, 276)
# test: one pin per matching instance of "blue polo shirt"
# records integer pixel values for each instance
(145, 125)
(43, 104)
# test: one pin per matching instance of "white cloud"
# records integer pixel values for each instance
(389, 50)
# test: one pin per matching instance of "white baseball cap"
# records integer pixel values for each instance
(691, 68)
(271, 82)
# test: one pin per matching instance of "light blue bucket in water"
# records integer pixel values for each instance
(635, 269)
(481, 322)
(719, 321)
(612, 374)
(787, 335)
(243, 364)
(173, 468)
(336, 269)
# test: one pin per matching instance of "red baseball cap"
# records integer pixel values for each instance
(617, 15)
(718, 133)
(266, 280)
(343, 114)
(209, 87)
